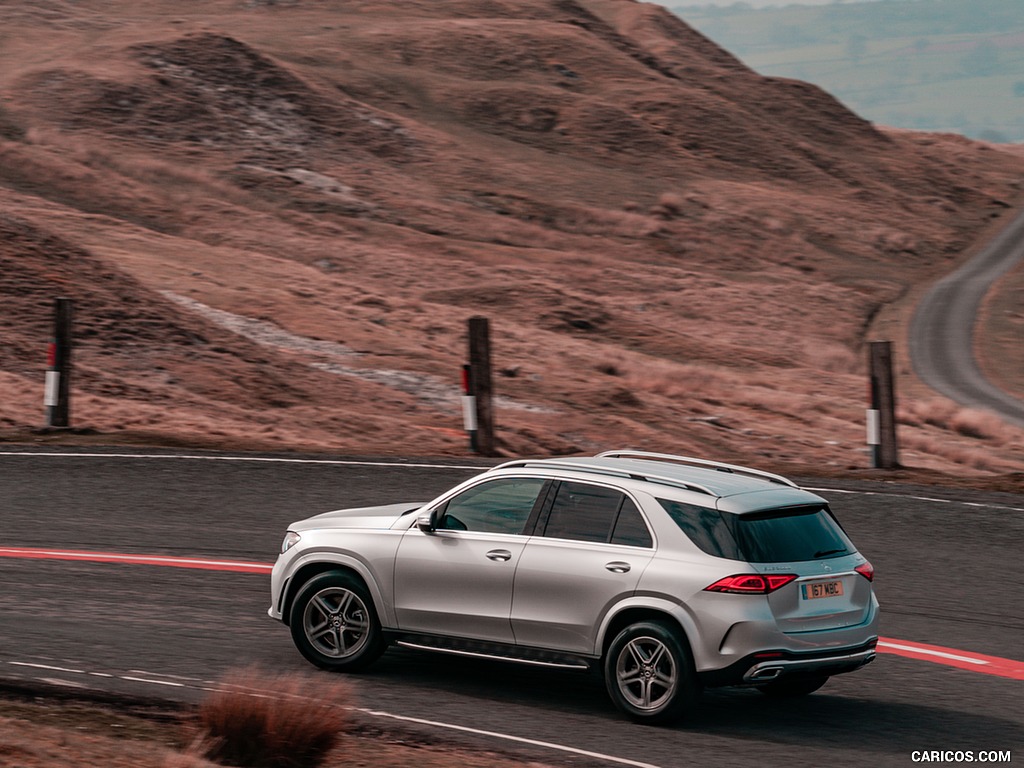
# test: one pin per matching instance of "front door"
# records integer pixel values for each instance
(457, 580)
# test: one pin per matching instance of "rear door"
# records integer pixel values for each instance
(588, 552)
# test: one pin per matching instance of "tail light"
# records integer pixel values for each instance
(751, 583)
(866, 570)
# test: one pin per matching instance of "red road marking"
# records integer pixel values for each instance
(31, 553)
(975, 662)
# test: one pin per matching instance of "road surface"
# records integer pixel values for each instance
(949, 574)
(942, 329)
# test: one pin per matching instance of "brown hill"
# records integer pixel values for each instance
(276, 217)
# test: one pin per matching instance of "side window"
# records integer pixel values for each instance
(592, 513)
(500, 506)
(705, 528)
(630, 528)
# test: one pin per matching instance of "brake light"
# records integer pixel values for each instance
(866, 570)
(751, 583)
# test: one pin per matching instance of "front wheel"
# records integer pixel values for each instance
(649, 673)
(334, 624)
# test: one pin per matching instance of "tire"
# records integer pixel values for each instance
(649, 673)
(334, 624)
(792, 687)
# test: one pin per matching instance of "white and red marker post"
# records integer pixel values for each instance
(57, 390)
(469, 420)
(479, 387)
(881, 416)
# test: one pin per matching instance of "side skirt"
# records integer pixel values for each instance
(493, 651)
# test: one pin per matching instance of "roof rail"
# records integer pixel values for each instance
(610, 471)
(668, 457)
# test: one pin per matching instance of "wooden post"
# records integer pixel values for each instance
(882, 413)
(480, 383)
(57, 398)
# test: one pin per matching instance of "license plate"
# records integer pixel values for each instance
(817, 589)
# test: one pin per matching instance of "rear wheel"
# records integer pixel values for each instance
(649, 673)
(791, 687)
(334, 624)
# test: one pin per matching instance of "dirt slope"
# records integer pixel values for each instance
(276, 217)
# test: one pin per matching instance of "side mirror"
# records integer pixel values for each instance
(427, 522)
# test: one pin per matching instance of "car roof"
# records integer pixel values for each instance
(723, 482)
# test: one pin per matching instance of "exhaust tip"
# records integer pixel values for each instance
(766, 674)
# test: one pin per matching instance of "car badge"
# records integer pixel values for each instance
(827, 568)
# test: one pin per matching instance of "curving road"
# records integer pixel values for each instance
(949, 573)
(942, 329)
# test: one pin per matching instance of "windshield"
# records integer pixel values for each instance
(788, 534)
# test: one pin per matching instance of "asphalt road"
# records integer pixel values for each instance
(942, 329)
(949, 574)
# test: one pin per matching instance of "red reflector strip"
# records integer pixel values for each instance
(975, 662)
(169, 561)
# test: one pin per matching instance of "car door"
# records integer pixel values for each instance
(588, 552)
(457, 579)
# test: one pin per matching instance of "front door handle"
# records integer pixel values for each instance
(618, 567)
(501, 555)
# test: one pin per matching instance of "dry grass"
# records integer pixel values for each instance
(42, 733)
(273, 721)
(697, 279)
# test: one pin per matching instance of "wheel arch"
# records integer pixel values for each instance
(314, 568)
(668, 614)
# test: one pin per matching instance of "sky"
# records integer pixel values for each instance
(751, 3)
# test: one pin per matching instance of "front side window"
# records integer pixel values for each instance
(498, 506)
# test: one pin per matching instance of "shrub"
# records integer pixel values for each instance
(279, 721)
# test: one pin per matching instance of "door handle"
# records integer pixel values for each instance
(499, 555)
(618, 567)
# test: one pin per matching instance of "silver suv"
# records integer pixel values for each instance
(667, 573)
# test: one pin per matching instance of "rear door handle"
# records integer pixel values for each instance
(618, 567)
(499, 555)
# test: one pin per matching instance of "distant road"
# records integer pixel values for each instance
(942, 330)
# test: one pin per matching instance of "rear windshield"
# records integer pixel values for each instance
(782, 535)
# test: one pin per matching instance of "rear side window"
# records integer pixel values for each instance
(705, 527)
(584, 512)
(789, 534)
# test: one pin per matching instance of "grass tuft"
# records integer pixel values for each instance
(273, 721)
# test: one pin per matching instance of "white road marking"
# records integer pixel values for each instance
(415, 465)
(257, 459)
(58, 681)
(509, 737)
(374, 713)
(46, 666)
(154, 682)
(929, 652)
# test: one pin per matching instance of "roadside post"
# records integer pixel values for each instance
(57, 390)
(469, 407)
(479, 387)
(881, 416)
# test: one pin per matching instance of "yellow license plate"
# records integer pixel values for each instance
(817, 589)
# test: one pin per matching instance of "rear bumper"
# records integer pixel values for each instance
(765, 666)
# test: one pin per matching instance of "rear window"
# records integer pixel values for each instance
(772, 536)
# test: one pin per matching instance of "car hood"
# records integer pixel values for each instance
(383, 516)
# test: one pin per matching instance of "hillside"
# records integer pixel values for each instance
(276, 217)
